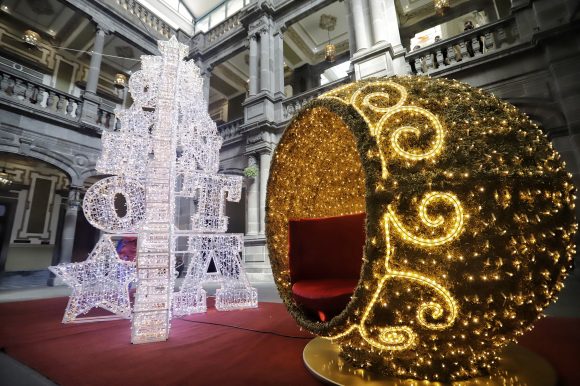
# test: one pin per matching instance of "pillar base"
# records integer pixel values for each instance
(322, 359)
(90, 110)
(381, 60)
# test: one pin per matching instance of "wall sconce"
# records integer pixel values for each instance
(120, 81)
(31, 38)
(441, 6)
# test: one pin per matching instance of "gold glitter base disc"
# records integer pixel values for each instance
(518, 366)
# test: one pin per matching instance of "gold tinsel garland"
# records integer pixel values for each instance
(469, 225)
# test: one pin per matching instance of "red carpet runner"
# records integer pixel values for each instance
(199, 352)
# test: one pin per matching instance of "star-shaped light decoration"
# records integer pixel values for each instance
(102, 280)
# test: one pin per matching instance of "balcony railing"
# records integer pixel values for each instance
(133, 8)
(38, 97)
(19, 90)
(231, 129)
(463, 48)
(293, 104)
(220, 14)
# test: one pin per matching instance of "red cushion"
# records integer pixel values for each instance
(326, 248)
(327, 297)
(325, 258)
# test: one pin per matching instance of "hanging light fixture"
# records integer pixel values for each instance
(441, 6)
(120, 81)
(31, 38)
(5, 179)
(328, 22)
(329, 51)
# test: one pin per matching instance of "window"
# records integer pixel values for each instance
(202, 25)
(184, 12)
(218, 15)
(234, 6)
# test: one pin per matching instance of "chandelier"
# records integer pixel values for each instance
(120, 81)
(328, 22)
(31, 38)
(441, 6)
(5, 179)
(330, 52)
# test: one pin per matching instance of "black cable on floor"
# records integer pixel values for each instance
(248, 329)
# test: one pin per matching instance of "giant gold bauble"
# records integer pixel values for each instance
(469, 221)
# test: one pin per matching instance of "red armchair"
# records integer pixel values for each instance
(325, 258)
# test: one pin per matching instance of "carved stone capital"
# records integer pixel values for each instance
(252, 160)
(252, 139)
(102, 26)
(262, 25)
(74, 197)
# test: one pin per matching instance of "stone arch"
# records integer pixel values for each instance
(86, 174)
(61, 163)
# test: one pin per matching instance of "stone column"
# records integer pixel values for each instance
(361, 25)
(253, 64)
(265, 72)
(278, 62)
(351, 31)
(206, 79)
(379, 22)
(253, 203)
(265, 159)
(390, 22)
(96, 57)
(70, 225)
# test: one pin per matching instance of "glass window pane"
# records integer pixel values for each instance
(173, 3)
(184, 12)
(218, 16)
(234, 6)
(202, 25)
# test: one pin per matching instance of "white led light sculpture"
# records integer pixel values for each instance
(197, 169)
(166, 149)
(102, 280)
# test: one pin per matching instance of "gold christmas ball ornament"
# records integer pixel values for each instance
(469, 221)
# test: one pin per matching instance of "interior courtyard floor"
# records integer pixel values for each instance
(27, 287)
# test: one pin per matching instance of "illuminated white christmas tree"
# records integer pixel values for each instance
(169, 143)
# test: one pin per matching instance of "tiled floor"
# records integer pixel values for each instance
(23, 279)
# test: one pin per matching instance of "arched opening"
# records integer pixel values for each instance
(316, 228)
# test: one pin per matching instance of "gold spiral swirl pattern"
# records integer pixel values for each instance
(453, 230)
(429, 314)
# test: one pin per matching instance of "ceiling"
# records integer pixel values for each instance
(71, 32)
(304, 43)
(411, 12)
(200, 8)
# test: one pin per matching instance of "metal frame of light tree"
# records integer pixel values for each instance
(169, 143)
(103, 279)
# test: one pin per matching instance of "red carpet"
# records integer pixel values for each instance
(203, 353)
(196, 354)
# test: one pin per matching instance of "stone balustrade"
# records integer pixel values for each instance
(106, 119)
(18, 89)
(222, 29)
(463, 48)
(136, 9)
(231, 129)
(292, 105)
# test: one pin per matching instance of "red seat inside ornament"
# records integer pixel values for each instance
(325, 258)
